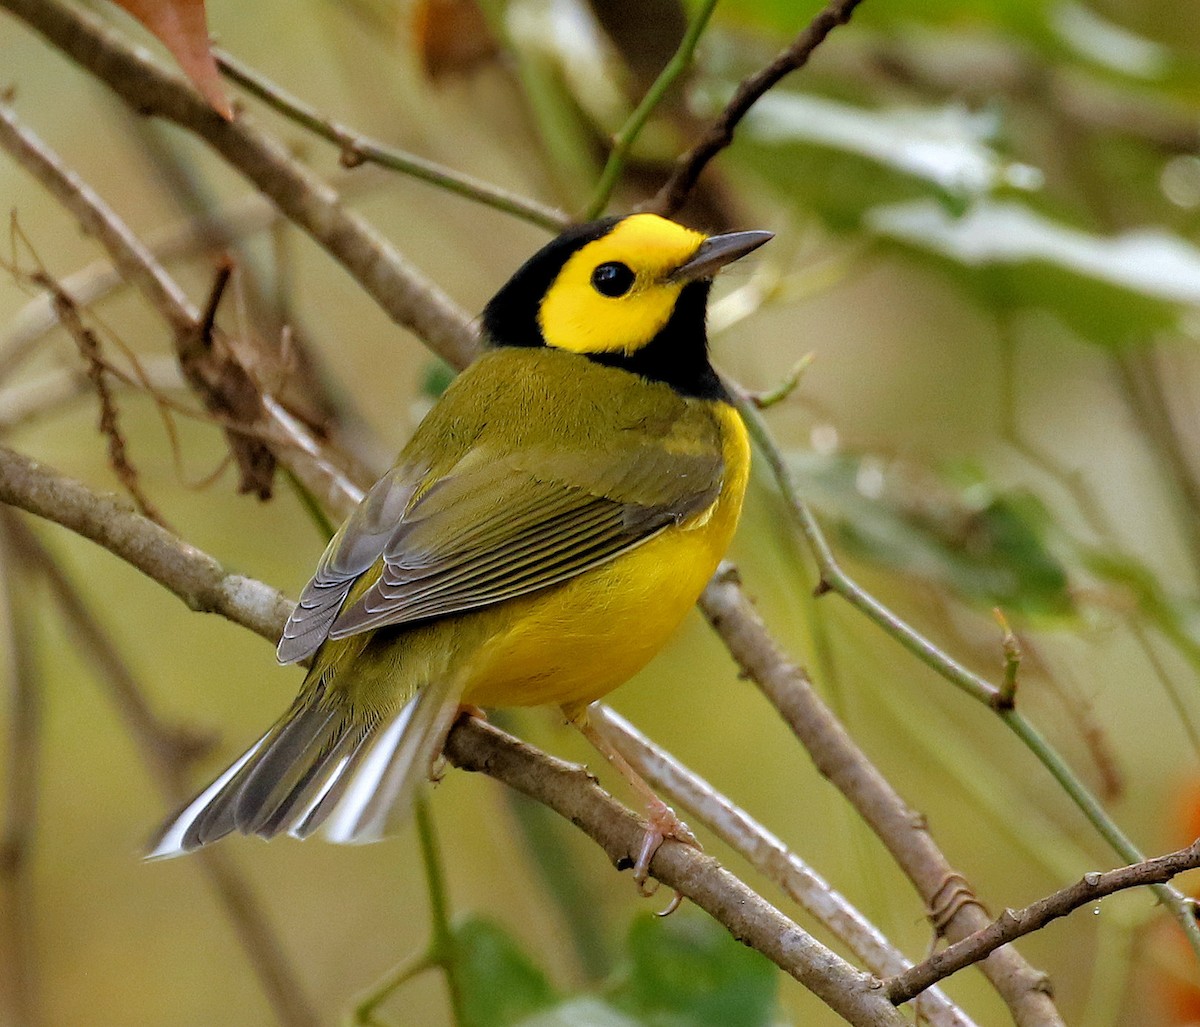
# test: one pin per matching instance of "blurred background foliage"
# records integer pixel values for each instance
(987, 216)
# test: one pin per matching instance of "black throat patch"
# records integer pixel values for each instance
(678, 354)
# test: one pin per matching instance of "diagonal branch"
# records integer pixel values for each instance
(720, 134)
(570, 791)
(359, 149)
(406, 295)
(768, 855)
(953, 907)
(565, 788)
(1015, 923)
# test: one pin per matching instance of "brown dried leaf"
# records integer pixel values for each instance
(182, 28)
(451, 37)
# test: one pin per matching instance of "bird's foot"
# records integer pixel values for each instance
(662, 823)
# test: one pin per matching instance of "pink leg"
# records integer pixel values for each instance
(662, 824)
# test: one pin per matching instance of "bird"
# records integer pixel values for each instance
(541, 536)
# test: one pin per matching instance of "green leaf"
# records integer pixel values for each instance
(500, 985)
(946, 146)
(585, 1011)
(1110, 289)
(986, 545)
(685, 971)
(437, 378)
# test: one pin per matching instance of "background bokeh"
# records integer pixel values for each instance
(987, 221)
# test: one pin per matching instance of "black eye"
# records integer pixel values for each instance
(613, 279)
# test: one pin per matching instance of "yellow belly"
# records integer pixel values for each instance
(572, 644)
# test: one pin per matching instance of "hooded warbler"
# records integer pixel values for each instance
(546, 529)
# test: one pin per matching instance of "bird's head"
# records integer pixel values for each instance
(627, 292)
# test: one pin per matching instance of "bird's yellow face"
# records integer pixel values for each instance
(623, 292)
(615, 294)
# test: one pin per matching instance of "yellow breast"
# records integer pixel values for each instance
(572, 644)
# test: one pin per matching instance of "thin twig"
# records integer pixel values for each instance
(200, 580)
(97, 373)
(169, 752)
(1013, 924)
(220, 229)
(720, 134)
(625, 138)
(953, 907)
(406, 295)
(18, 948)
(834, 579)
(357, 149)
(573, 793)
(767, 854)
(224, 386)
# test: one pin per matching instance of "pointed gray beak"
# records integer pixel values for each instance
(716, 251)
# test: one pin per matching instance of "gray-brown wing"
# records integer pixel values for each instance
(499, 532)
(493, 532)
(355, 548)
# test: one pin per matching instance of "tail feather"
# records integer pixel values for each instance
(317, 766)
(389, 769)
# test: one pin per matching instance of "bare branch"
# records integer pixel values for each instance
(224, 386)
(201, 581)
(97, 373)
(687, 171)
(767, 854)
(1013, 924)
(952, 905)
(168, 752)
(401, 291)
(220, 229)
(570, 791)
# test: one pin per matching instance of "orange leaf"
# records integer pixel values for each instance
(181, 26)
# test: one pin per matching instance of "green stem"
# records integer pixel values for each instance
(441, 943)
(624, 139)
(441, 952)
(357, 149)
(1182, 908)
(364, 1011)
(833, 578)
(312, 507)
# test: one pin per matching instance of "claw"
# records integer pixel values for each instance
(663, 824)
(662, 821)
